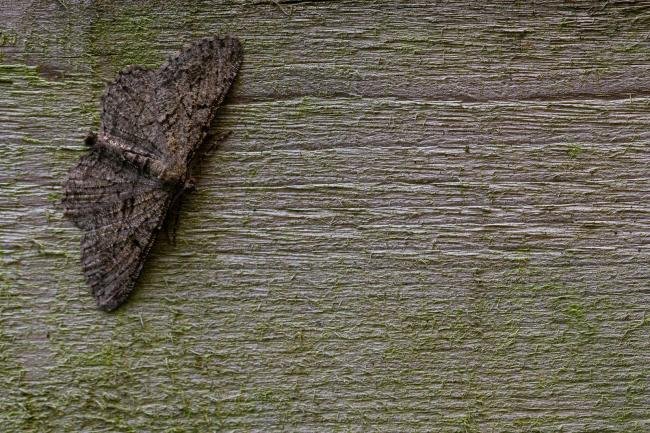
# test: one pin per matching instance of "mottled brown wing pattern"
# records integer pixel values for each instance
(120, 212)
(152, 122)
(164, 114)
(202, 75)
(130, 113)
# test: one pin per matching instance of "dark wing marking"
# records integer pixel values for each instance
(121, 212)
(164, 114)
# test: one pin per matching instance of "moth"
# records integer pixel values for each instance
(152, 123)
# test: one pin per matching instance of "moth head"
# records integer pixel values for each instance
(90, 139)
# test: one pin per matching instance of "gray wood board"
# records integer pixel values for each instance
(426, 218)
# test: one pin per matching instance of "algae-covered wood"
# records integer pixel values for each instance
(426, 218)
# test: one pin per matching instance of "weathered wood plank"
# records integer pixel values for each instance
(427, 218)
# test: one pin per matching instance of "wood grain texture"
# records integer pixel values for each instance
(426, 218)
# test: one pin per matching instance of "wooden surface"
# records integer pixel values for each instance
(427, 218)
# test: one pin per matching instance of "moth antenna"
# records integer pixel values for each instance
(215, 140)
(171, 223)
(210, 143)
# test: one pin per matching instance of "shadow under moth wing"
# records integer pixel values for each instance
(152, 123)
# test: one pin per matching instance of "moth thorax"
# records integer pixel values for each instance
(174, 173)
